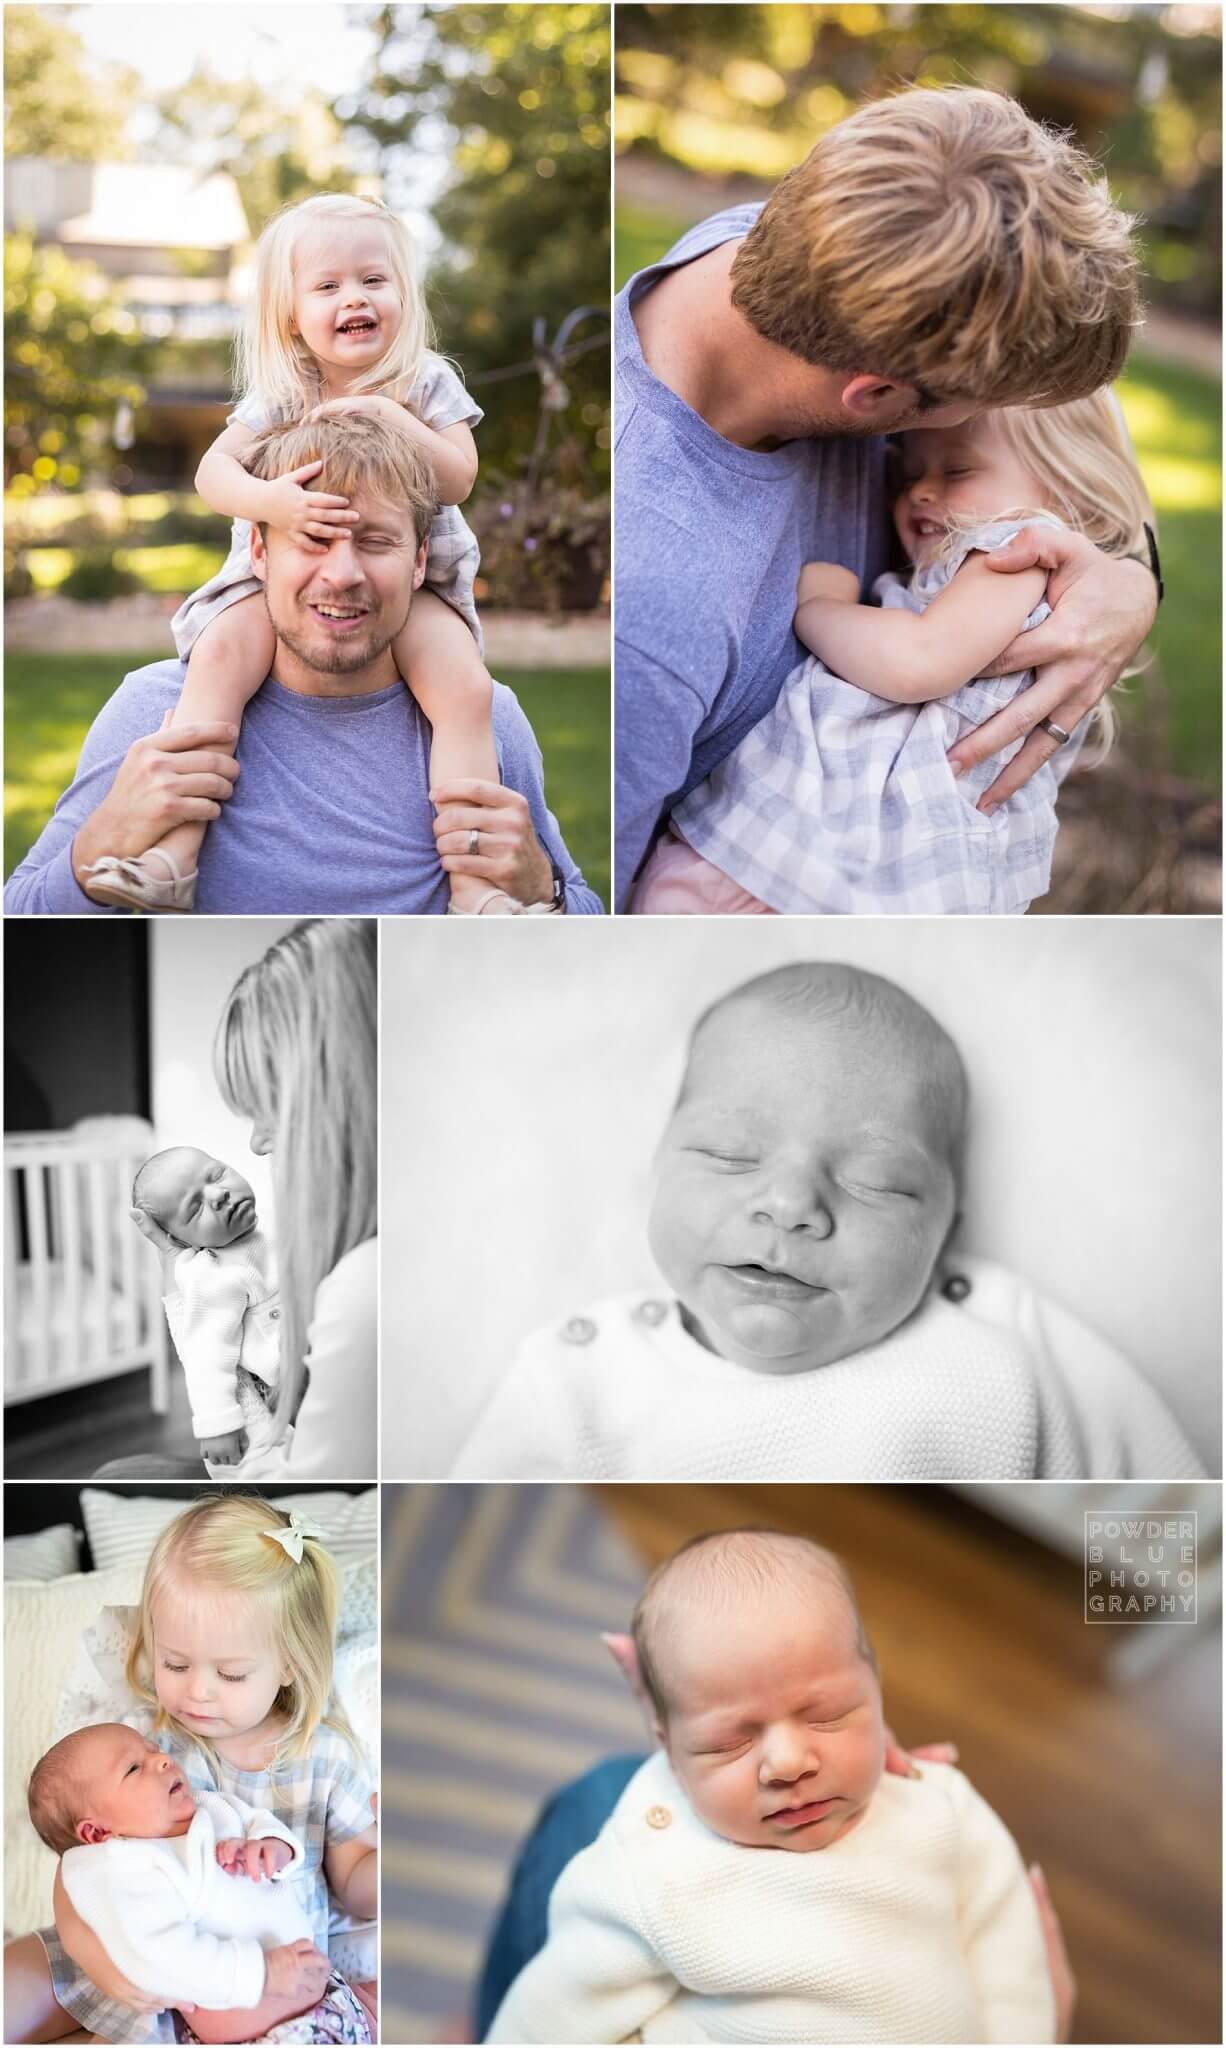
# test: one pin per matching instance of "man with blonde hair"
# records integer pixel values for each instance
(937, 255)
(332, 812)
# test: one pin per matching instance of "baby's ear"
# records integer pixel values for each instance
(91, 1831)
(626, 1657)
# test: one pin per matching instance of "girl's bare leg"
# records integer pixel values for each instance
(438, 659)
(248, 2025)
(228, 663)
(31, 2011)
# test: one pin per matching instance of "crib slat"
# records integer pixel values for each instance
(129, 1246)
(13, 1374)
(73, 1355)
(100, 1245)
(40, 1272)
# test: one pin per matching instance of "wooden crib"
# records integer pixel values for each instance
(82, 1295)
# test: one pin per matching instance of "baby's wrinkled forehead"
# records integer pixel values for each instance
(793, 1028)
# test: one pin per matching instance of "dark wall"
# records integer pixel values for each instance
(42, 1505)
(76, 1020)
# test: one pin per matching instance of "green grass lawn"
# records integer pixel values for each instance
(51, 699)
(1174, 417)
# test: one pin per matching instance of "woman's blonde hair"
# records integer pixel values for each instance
(296, 1049)
(945, 239)
(220, 1545)
(274, 361)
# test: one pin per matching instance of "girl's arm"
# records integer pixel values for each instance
(450, 451)
(223, 483)
(913, 658)
(352, 1871)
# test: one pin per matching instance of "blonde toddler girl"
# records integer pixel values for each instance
(843, 799)
(231, 1659)
(336, 318)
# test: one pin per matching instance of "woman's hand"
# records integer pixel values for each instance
(1063, 1982)
(901, 1762)
(1102, 609)
(86, 1951)
(313, 519)
(162, 1242)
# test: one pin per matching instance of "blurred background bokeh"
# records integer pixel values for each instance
(713, 104)
(144, 155)
(1099, 1746)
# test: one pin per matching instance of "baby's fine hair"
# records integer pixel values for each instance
(721, 1568)
(220, 1545)
(359, 452)
(56, 1794)
(944, 238)
(821, 990)
(144, 1197)
(273, 361)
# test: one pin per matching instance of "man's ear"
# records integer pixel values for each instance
(419, 566)
(259, 554)
(868, 398)
(92, 1831)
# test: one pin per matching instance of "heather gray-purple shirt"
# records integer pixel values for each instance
(331, 811)
(711, 539)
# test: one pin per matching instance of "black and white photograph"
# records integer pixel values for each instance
(190, 1192)
(878, 1201)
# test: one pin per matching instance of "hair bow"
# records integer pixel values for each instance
(292, 1539)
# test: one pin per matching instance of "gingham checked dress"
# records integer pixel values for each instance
(439, 400)
(839, 801)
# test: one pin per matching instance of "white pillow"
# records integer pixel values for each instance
(48, 1554)
(121, 1528)
(42, 1627)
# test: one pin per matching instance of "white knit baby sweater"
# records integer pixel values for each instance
(999, 1385)
(224, 1314)
(918, 1925)
(178, 1925)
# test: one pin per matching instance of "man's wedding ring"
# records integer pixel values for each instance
(1057, 731)
(474, 837)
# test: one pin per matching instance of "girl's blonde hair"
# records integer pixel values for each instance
(1081, 458)
(943, 238)
(296, 1049)
(220, 1545)
(274, 361)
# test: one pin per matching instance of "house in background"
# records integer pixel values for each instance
(175, 247)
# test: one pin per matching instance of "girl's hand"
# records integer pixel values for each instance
(296, 1971)
(311, 518)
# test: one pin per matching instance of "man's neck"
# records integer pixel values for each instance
(292, 673)
(752, 392)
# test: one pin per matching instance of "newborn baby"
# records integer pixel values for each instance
(162, 1879)
(762, 1878)
(816, 1328)
(225, 1316)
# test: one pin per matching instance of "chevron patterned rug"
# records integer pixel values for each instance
(496, 1690)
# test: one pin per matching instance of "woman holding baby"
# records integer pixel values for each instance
(296, 1052)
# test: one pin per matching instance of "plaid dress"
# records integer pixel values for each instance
(323, 1799)
(840, 801)
(439, 400)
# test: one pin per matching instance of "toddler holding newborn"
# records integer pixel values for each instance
(225, 1313)
(762, 1878)
(816, 1326)
(163, 1877)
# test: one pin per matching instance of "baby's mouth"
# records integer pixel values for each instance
(773, 1282)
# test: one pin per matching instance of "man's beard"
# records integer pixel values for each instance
(334, 658)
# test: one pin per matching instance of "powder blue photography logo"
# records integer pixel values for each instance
(1140, 1567)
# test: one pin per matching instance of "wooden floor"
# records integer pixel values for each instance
(1114, 1788)
(67, 1436)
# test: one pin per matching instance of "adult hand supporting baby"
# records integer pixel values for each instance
(1102, 609)
(509, 855)
(86, 1951)
(171, 777)
(162, 1242)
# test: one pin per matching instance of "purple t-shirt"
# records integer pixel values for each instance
(331, 812)
(711, 539)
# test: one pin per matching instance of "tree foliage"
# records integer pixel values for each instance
(518, 95)
(72, 354)
(54, 104)
(277, 150)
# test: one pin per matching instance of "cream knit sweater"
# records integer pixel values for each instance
(919, 1925)
(1001, 1385)
(225, 1313)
